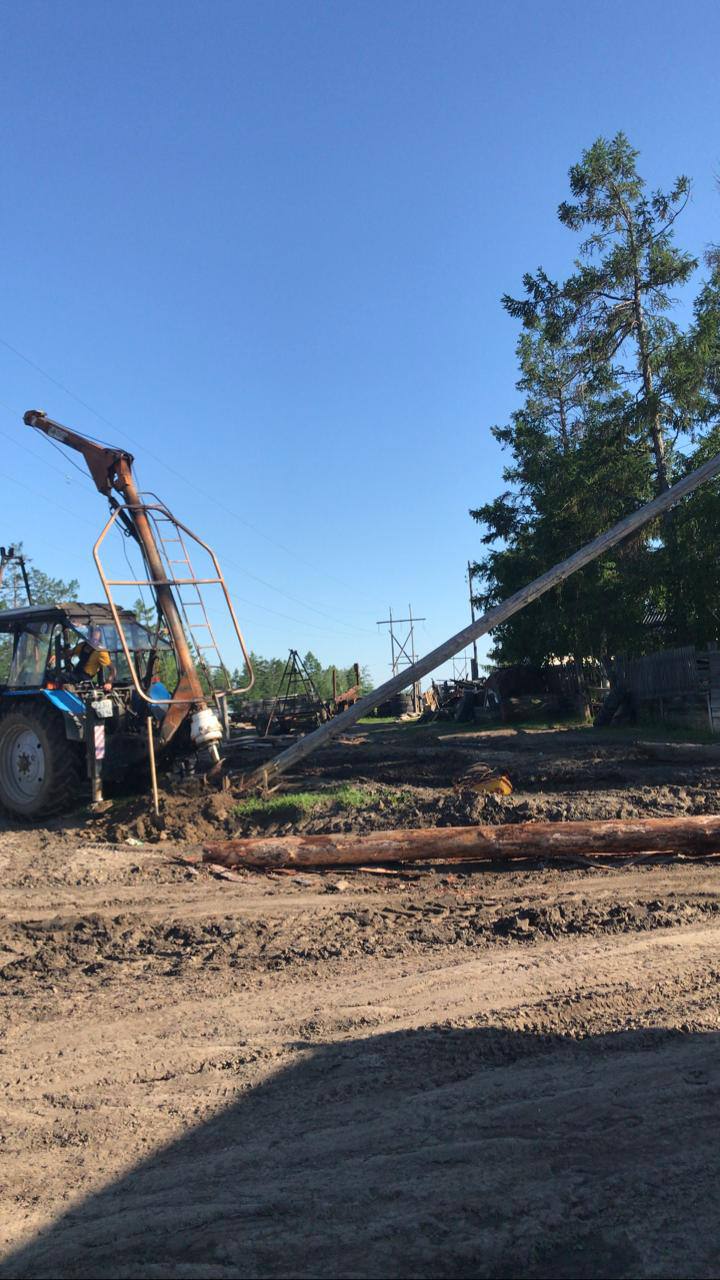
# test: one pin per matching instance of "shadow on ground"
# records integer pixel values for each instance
(438, 1152)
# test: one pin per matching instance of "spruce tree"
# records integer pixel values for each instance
(625, 283)
(600, 363)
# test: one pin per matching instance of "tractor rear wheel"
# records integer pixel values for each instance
(40, 771)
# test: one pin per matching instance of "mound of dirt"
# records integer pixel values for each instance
(192, 814)
(404, 784)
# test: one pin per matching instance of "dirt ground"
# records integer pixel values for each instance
(444, 1071)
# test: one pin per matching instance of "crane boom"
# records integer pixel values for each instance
(112, 469)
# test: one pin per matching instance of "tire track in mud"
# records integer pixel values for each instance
(99, 947)
(454, 1073)
(396, 1097)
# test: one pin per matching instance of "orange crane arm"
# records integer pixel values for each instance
(111, 469)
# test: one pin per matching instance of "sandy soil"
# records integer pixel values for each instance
(444, 1072)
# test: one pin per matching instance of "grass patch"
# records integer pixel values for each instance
(438, 728)
(661, 731)
(302, 803)
(537, 722)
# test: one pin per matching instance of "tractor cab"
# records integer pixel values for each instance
(65, 676)
(48, 646)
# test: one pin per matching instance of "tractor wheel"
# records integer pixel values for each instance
(40, 771)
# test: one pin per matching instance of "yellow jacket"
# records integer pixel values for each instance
(97, 658)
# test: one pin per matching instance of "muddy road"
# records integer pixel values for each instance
(439, 1072)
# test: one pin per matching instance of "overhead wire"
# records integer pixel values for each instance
(173, 471)
(240, 568)
(44, 461)
(301, 622)
(45, 498)
(44, 373)
(295, 599)
(63, 454)
(248, 572)
(254, 604)
(19, 444)
(348, 628)
(286, 594)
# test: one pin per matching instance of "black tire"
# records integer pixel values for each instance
(40, 771)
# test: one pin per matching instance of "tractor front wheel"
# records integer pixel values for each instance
(40, 771)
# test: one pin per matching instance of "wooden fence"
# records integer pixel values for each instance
(667, 673)
(575, 679)
(683, 683)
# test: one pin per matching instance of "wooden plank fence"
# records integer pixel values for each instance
(686, 678)
(663, 674)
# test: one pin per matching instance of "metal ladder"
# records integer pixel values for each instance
(175, 554)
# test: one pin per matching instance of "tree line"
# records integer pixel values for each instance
(43, 588)
(269, 674)
(618, 400)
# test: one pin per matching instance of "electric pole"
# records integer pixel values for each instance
(474, 668)
(402, 646)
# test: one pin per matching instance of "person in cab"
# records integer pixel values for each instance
(93, 659)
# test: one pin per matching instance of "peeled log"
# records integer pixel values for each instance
(616, 837)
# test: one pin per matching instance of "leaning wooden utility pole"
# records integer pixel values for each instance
(493, 618)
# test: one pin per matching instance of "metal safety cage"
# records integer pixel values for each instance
(160, 514)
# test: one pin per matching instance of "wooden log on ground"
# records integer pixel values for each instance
(691, 752)
(617, 837)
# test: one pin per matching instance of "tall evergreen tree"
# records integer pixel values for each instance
(566, 487)
(692, 570)
(600, 362)
(617, 301)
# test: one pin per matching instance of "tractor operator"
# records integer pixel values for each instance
(93, 657)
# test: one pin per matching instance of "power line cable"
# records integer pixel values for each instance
(64, 455)
(52, 501)
(300, 622)
(296, 600)
(172, 470)
(255, 604)
(50, 465)
(264, 582)
(240, 568)
(45, 374)
(15, 415)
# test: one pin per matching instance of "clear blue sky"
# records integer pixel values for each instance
(267, 243)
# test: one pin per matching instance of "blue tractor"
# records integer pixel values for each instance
(65, 728)
(83, 700)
